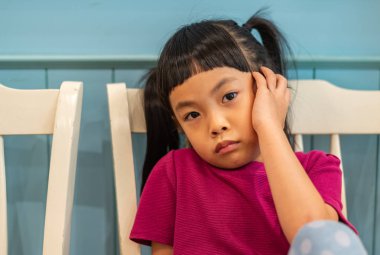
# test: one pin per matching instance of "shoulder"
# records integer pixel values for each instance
(317, 159)
(174, 160)
(175, 157)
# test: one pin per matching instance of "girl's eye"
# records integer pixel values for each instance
(229, 96)
(191, 115)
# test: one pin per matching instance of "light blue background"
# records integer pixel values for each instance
(316, 29)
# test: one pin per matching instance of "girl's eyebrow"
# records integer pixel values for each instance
(215, 89)
(184, 104)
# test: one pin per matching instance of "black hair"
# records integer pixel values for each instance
(200, 47)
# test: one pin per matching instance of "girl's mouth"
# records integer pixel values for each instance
(226, 146)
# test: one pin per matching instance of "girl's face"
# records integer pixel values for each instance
(214, 109)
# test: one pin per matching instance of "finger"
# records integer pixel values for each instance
(270, 77)
(281, 81)
(261, 82)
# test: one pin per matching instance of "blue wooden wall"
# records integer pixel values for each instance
(43, 43)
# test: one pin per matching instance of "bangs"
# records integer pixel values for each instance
(198, 48)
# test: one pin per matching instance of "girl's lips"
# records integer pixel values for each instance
(225, 146)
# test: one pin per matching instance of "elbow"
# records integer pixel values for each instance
(328, 214)
(291, 234)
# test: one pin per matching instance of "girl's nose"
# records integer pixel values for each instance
(218, 124)
(217, 132)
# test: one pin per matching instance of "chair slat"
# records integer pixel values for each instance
(20, 108)
(322, 108)
(62, 169)
(136, 111)
(48, 111)
(298, 142)
(123, 158)
(3, 203)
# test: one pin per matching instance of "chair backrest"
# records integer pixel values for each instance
(126, 117)
(318, 108)
(47, 111)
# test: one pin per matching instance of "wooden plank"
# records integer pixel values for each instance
(125, 186)
(93, 217)
(27, 164)
(376, 232)
(62, 169)
(22, 107)
(359, 157)
(298, 141)
(303, 73)
(133, 80)
(343, 111)
(3, 203)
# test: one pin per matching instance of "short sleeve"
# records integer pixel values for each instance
(326, 175)
(155, 215)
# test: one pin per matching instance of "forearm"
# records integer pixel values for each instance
(161, 249)
(296, 199)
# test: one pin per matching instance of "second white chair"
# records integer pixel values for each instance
(47, 111)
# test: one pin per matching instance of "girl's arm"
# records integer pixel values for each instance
(161, 249)
(296, 200)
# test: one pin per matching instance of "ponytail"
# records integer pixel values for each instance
(162, 134)
(272, 40)
(275, 46)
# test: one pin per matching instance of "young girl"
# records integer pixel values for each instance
(239, 188)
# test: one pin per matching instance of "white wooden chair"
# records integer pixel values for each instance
(318, 108)
(45, 111)
(126, 117)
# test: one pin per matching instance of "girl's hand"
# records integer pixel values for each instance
(271, 100)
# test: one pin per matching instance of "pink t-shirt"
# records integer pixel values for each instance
(200, 209)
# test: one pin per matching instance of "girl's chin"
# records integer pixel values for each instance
(231, 165)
